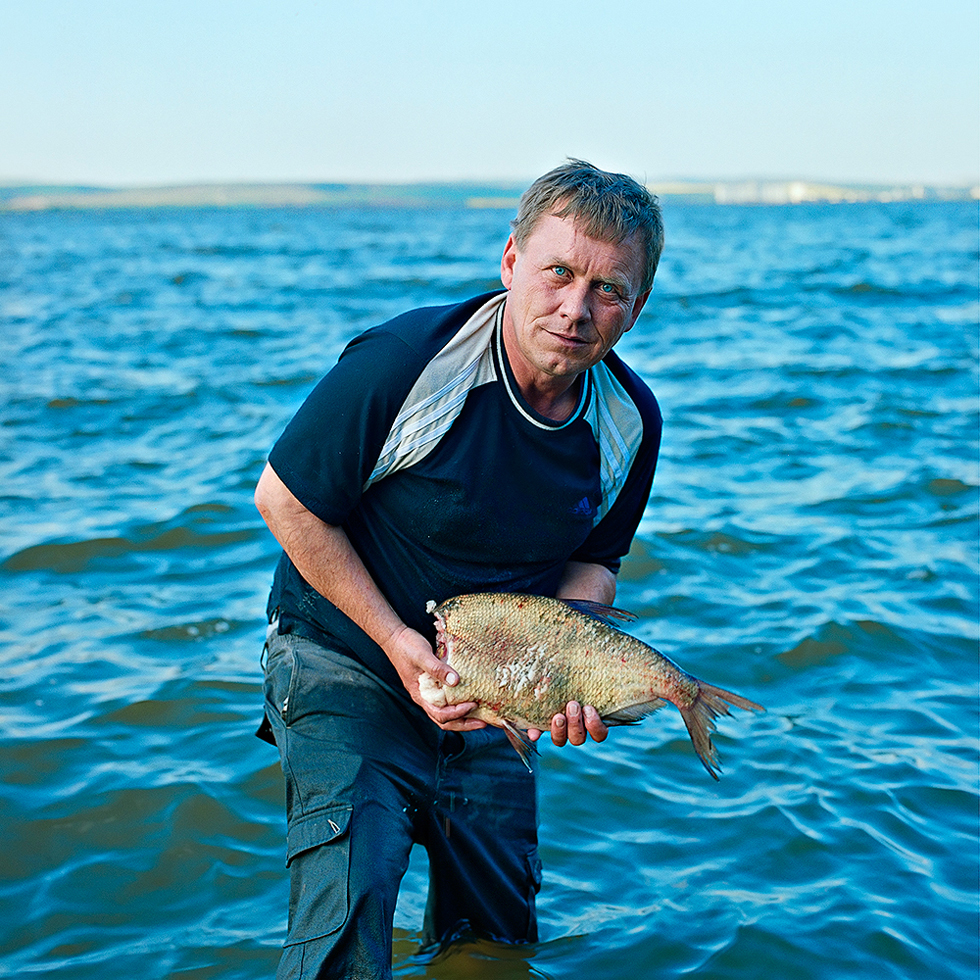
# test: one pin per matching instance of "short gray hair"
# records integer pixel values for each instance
(609, 207)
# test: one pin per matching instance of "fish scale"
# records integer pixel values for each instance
(522, 658)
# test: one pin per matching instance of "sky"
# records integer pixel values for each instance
(149, 92)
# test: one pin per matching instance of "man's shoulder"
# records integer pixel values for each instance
(635, 388)
(425, 330)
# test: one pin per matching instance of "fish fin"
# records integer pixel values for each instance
(607, 615)
(523, 746)
(633, 713)
(700, 720)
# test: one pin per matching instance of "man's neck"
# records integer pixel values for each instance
(555, 397)
(551, 401)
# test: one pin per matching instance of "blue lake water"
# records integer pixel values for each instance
(811, 542)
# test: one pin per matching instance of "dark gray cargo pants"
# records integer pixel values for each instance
(367, 775)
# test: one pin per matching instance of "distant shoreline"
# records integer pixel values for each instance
(47, 197)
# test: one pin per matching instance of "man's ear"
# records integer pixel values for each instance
(507, 262)
(638, 305)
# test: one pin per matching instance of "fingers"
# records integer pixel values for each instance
(577, 724)
(559, 729)
(595, 726)
(568, 727)
(461, 723)
(452, 717)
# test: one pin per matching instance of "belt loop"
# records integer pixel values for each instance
(271, 630)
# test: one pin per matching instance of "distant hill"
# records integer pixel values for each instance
(41, 197)
(46, 197)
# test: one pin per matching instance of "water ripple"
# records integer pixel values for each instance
(811, 542)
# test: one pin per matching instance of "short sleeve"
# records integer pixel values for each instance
(611, 538)
(328, 450)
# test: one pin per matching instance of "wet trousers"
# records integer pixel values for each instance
(367, 776)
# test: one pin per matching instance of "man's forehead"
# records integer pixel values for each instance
(574, 225)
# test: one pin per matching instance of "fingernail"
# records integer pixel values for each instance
(574, 708)
(452, 679)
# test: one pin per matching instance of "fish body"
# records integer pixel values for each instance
(522, 658)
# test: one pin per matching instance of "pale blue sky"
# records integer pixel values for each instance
(177, 91)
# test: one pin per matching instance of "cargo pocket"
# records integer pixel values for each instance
(318, 858)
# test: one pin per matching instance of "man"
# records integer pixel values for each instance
(495, 445)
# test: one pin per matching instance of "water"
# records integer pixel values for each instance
(811, 542)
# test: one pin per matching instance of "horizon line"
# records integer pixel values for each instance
(16, 182)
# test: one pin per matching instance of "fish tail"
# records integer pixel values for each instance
(700, 716)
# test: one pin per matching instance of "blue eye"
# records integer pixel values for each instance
(560, 270)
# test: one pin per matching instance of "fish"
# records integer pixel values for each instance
(522, 658)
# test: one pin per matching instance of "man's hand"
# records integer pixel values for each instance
(412, 656)
(581, 580)
(574, 726)
(325, 557)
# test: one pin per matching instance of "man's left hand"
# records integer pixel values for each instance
(575, 726)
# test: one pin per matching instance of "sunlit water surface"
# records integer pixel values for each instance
(811, 542)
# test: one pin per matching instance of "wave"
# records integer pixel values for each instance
(191, 529)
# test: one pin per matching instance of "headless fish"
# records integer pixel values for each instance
(522, 658)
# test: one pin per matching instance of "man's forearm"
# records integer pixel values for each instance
(324, 556)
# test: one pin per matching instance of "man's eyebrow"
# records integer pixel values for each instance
(621, 282)
(617, 280)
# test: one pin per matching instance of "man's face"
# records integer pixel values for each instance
(571, 298)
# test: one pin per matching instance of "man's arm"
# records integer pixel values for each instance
(327, 560)
(581, 580)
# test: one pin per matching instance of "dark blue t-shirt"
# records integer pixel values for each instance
(419, 444)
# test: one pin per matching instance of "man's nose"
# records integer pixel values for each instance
(575, 302)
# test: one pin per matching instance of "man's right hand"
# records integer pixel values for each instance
(411, 655)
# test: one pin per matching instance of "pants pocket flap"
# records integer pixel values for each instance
(316, 828)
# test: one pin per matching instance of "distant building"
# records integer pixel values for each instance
(801, 191)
